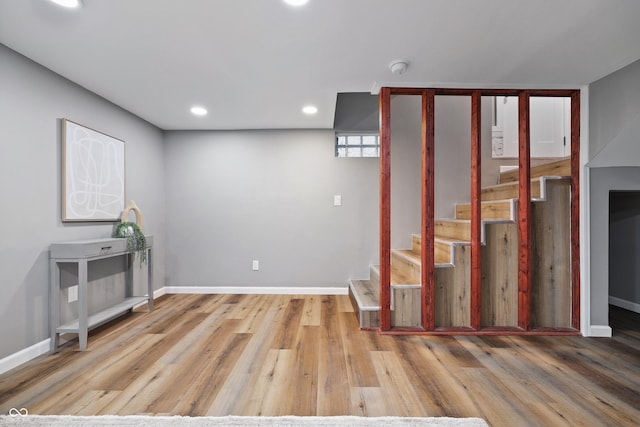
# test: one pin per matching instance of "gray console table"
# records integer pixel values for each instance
(82, 252)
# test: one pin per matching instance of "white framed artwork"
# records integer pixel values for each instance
(93, 187)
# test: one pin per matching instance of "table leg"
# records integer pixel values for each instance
(83, 325)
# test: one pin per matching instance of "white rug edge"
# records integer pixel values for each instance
(250, 420)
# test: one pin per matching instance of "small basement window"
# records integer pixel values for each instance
(357, 145)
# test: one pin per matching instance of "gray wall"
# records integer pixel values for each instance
(32, 102)
(406, 189)
(238, 196)
(452, 160)
(614, 105)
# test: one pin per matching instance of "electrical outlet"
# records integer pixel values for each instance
(256, 265)
(72, 293)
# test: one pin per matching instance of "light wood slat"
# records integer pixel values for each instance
(500, 276)
(551, 258)
(241, 370)
(452, 304)
(555, 168)
(368, 402)
(303, 374)
(404, 400)
(368, 294)
(406, 265)
(201, 364)
(333, 397)
(293, 314)
(427, 372)
(496, 209)
(459, 230)
(360, 368)
(416, 244)
(510, 190)
(406, 306)
(311, 314)
(133, 396)
(206, 355)
(265, 396)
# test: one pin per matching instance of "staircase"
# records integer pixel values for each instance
(551, 281)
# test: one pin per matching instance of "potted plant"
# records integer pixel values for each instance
(132, 231)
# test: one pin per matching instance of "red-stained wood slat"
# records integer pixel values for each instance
(524, 213)
(476, 190)
(385, 209)
(428, 220)
(575, 210)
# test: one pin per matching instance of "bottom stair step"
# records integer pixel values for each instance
(365, 298)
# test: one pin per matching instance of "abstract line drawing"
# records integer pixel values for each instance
(93, 174)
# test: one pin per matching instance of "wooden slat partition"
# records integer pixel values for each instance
(476, 215)
(428, 196)
(524, 213)
(385, 209)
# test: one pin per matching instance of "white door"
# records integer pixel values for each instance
(550, 127)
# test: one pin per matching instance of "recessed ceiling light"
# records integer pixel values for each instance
(198, 111)
(309, 109)
(71, 4)
(296, 2)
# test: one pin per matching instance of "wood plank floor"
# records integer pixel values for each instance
(304, 355)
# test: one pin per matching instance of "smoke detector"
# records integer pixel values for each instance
(398, 67)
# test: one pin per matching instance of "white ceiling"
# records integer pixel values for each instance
(255, 63)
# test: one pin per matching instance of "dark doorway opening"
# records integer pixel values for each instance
(624, 258)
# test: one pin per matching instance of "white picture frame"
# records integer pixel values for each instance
(93, 179)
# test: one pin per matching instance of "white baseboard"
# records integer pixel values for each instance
(264, 290)
(600, 331)
(157, 293)
(627, 305)
(24, 355)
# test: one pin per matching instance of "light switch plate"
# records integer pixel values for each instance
(256, 265)
(337, 200)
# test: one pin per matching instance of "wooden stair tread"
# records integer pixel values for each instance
(442, 239)
(450, 241)
(555, 168)
(410, 255)
(367, 295)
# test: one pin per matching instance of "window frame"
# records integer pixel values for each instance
(361, 146)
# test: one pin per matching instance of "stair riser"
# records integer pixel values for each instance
(511, 191)
(374, 276)
(441, 251)
(416, 244)
(406, 311)
(406, 268)
(495, 210)
(453, 230)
